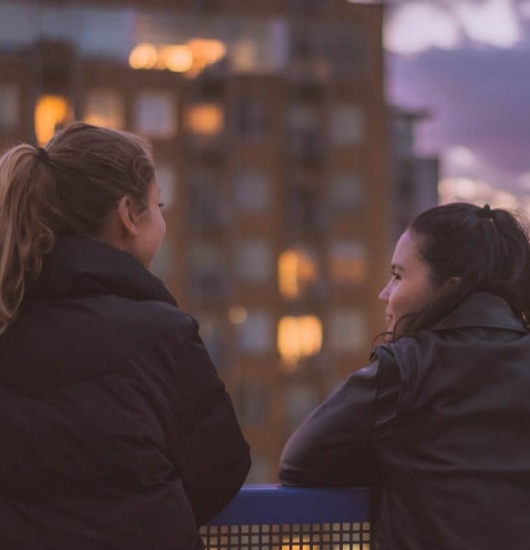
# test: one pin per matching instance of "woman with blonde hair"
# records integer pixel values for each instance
(116, 431)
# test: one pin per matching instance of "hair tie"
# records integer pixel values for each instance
(42, 155)
(486, 212)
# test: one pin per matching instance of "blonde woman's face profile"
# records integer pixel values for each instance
(410, 287)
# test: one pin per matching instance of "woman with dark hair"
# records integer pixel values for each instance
(438, 423)
(116, 432)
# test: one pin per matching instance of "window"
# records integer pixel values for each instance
(304, 131)
(16, 28)
(255, 335)
(348, 331)
(254, 119)
(104, 108)
(346, 49)
(253, 401)
(107, 32)
(348, 262)
(206, 200)
(206, 270)
(304, 210)
(156, 115)
(347, 191)
(51, 112)
(205, 119)
(258, 44)
(165, 177)
(347, 125)
(298, 337)
(297, 270)
(254, 261)
(9, 107)
(253, 190)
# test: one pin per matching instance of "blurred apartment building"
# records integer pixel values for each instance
(413, 178)
(268, 122)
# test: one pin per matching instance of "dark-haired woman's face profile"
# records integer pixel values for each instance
(410, 287)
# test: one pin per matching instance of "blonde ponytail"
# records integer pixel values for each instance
(25, 187)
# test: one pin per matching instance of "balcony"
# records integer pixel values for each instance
(273, 517)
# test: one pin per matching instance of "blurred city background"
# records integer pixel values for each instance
(294, 140)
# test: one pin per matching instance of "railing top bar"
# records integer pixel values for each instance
(276, 504)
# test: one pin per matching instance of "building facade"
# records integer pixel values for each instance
(268, 123)
(413, 177)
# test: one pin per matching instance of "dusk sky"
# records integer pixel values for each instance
(468, 63)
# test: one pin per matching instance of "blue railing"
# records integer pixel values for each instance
(273, 517)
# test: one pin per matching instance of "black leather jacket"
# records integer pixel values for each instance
(439, 426)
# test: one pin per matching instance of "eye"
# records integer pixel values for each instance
(161, 205)
(395, 276)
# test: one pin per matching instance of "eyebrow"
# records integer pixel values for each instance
(397, 266)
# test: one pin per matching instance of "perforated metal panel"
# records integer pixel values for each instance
(279, 518)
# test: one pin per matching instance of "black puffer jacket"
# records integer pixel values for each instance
(439, 426)
(115, 431)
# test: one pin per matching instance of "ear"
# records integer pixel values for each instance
(128, 216)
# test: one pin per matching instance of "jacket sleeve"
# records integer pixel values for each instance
(333, 445)
(207, 445)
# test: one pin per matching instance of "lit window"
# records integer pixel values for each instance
(51, 112)
(162, 263)
(144, 56)
(156, 115)
(297, 269)
(254, 262)
(347, 125)
(205, 119)
(348, 262)
(104, 108)
(205, 52)
(347, 191)
(298, 337)
(165, 177)
(252, 190)
(177, 59)
(252, 401)
(9, 107)
(255, 335)
(259, 44)
(348, 331)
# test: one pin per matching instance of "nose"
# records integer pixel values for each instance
(384, 294)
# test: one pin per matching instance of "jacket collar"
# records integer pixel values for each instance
(482, 310)
(79, 267)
